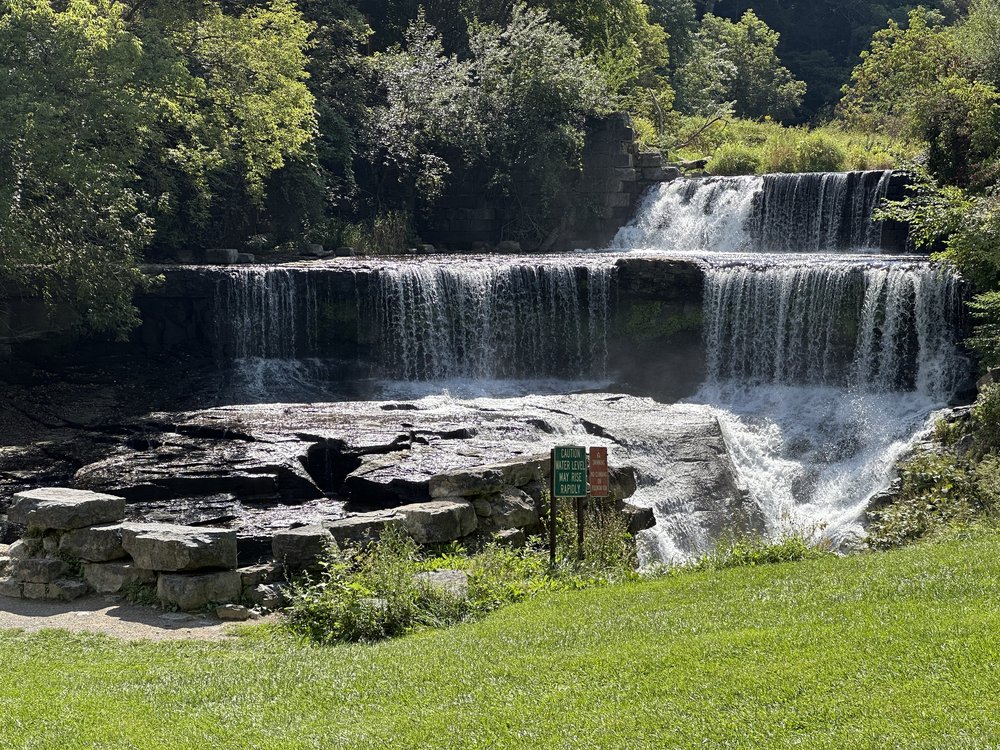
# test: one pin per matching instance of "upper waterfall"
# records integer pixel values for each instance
(792, 213)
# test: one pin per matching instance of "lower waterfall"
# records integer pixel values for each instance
(822, 375)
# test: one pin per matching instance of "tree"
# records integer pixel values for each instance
(737, 62)
(679, 19)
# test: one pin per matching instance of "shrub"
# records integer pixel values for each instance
(779, 153)
(751, 551)
(735, 159)
(819, 153)
(985, 421)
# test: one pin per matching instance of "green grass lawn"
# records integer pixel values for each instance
(891, 650)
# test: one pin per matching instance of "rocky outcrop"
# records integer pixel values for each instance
(302, 548)
(439, 521)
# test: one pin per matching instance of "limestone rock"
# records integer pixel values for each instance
(511, 538)
(36, 590)
(440, 521)
(198, 590)
(94, 544)
(39, 569)
(255, 575)
(66, 590)
(115, 577)
(64, 509)
(301, 548)
(484, 480)
(453, 582)
(171, 548)
(638, 519)
(514, 509)
(232, 612)
(5, 565)
(268, 596)
(11, 588)
(24, 548)
(222, 255)
(363, 528)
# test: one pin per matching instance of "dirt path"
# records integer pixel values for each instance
(109, 616)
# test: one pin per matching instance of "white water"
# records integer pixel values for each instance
(823, 212)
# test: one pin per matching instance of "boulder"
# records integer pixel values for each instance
(25, 548)
(301, 548)
(116, 577)
(232, 612)
(36, 590)
(5, 565)
(364, 528)
(440, 521)
(245, 258)
(511, 538)
(171, 548)
(514, 509)
(198, 590)
(39, 569)
(453, 582)
(94, 544)
(64, 509)
(638, 519)
(268, 596)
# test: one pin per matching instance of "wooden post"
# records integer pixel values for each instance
(579, 527)
(552, 511)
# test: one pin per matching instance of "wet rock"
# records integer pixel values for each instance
(64, 509)
(94, 544)
(246, 258)
(638, 519)
(439, 521)
(364, 528)
(198, 590)
(452, 582)
(167, 547)
(116, 577)
(301, 549)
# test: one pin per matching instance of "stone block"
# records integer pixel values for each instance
(440, 521)
(198, 590)
(94, 544)
(66, 590)
(255, 575)
(511, 538)
(11, 588)
(172, 548)
(246, 258)
(24, 548)
(490, 478)
(39, 569)
(224, 256)
(363, 528)
(301, 548)
(115, 577)
(36, 590)
(268, 596)
(64, 509)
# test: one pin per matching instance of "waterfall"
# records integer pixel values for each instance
(492, 321)
(815, 212)
(261, 313)
(822, 375)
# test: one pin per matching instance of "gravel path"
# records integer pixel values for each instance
(109, 616)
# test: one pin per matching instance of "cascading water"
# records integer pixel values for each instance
(492, 320)
(791, 213)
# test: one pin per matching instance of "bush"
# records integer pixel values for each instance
(779, 153)
(735, 159)
(819, 153)
(985, 421)
(751, 551)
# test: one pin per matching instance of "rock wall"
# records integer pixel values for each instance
(594, 204)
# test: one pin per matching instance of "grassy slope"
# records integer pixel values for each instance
(889, 650)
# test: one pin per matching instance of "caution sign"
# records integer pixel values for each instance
(569, 471)
(600, 479)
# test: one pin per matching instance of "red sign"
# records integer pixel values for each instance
(600, 481)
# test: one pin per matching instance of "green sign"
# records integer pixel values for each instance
(569, 471)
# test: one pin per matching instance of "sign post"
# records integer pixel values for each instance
(569, 479)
